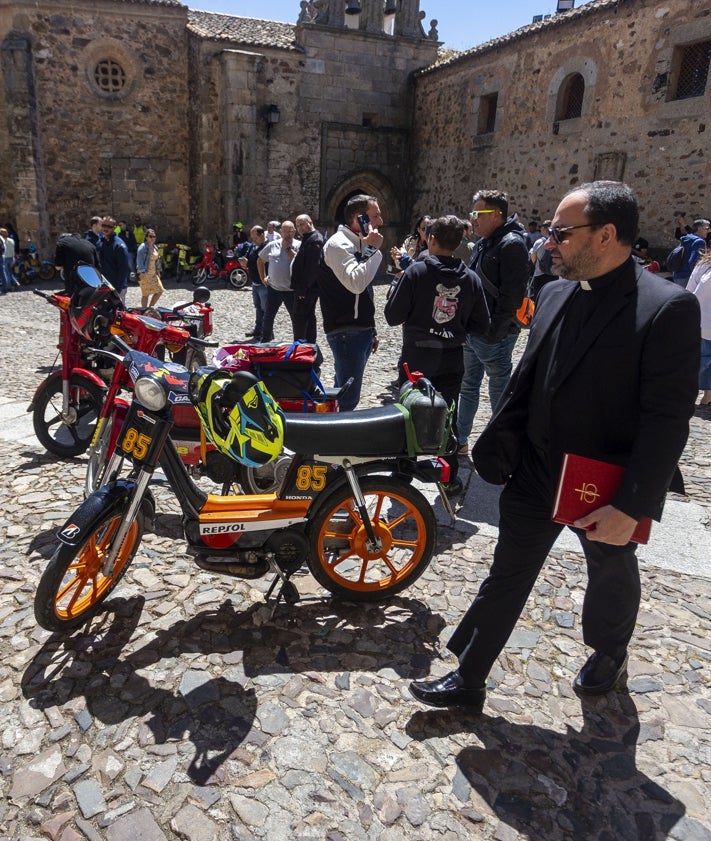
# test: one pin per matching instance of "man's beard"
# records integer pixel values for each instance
(580, 266)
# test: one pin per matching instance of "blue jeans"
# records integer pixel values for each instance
(705, 370)
(350, 349)
(259, 299)
(479, 358)
(275, 298)
(8, 279)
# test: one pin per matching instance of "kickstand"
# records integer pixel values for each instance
(287, 591)
(447, 505)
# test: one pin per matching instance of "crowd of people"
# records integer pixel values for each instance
(611, 371)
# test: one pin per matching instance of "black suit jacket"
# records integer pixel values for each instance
(625, 394)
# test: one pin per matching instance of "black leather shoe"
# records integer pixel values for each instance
(601, 674)
(448, 691)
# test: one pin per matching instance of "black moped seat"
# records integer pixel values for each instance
(365, 432)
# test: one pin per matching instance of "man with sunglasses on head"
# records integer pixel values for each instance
(500, 258)
(609, 373)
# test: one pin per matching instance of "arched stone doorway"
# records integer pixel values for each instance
(371, 183)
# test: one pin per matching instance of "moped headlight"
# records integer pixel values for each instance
(150, 393)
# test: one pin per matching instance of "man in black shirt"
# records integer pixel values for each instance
(304, 278)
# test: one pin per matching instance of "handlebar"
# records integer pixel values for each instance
(48, 296)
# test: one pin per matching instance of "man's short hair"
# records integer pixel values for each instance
(258, 229)
(493, 198)
(448, 231)
(95, 220)
(356, 204)
(699, 223)
(611, 203)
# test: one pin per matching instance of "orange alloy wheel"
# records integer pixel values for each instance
(404, 524)
(73, 586)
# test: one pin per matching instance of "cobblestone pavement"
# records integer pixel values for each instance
(187, 712)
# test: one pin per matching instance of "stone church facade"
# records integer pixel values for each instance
(195, 120)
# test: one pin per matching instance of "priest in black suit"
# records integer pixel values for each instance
(609, 372)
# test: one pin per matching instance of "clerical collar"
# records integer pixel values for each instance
(595, 284)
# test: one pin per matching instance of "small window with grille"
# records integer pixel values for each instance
(486, 122)
(570, 98)
(693, 69)
(109, 75)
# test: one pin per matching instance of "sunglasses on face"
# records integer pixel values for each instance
(475, 214)
(107, 227)
(560, 234)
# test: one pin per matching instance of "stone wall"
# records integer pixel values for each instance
(629, 127)
(94, 151)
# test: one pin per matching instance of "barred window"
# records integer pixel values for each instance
(693, 64)
(486, 122)
(570, 98)
(109, 76)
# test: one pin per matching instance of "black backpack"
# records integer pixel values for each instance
(545, 261)
(675, 259)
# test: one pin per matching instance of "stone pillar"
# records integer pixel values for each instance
(27, 170)
(408, 19)
(242, 131)
(372, 15)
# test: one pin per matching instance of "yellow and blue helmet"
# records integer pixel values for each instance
(239, 415)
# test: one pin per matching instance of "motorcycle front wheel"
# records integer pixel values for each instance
(238, 278)
(340, 558)
(198, 277)
(73, 586)
(71, 436)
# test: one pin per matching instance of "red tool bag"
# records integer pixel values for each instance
(288, 369)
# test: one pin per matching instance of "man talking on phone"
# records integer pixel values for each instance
(351, 258)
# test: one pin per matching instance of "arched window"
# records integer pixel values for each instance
(570, 97)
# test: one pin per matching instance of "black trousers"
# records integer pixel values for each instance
(526, 535)
(303, 317)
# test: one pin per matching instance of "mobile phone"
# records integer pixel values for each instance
(364, 223)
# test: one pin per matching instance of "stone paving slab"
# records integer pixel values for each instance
(187, 711)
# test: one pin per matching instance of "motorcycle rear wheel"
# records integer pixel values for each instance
(238, 278)
(263, 480)
(72, 587)
(404, 523)
(67, 439)
(191, 358)
(47, 271)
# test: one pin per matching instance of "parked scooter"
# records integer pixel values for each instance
(347, 508)
(67, 403)
(293, 383)
(219, 264)
(28, 266)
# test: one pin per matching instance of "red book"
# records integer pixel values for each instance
(586, 484)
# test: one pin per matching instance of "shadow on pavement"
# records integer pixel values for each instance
(217, 713)
(578, 784)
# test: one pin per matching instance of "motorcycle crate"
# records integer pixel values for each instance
(290, 371)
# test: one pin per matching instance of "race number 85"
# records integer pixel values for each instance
(136, 443)
(311, 477)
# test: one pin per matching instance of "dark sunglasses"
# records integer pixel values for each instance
(560, 234)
